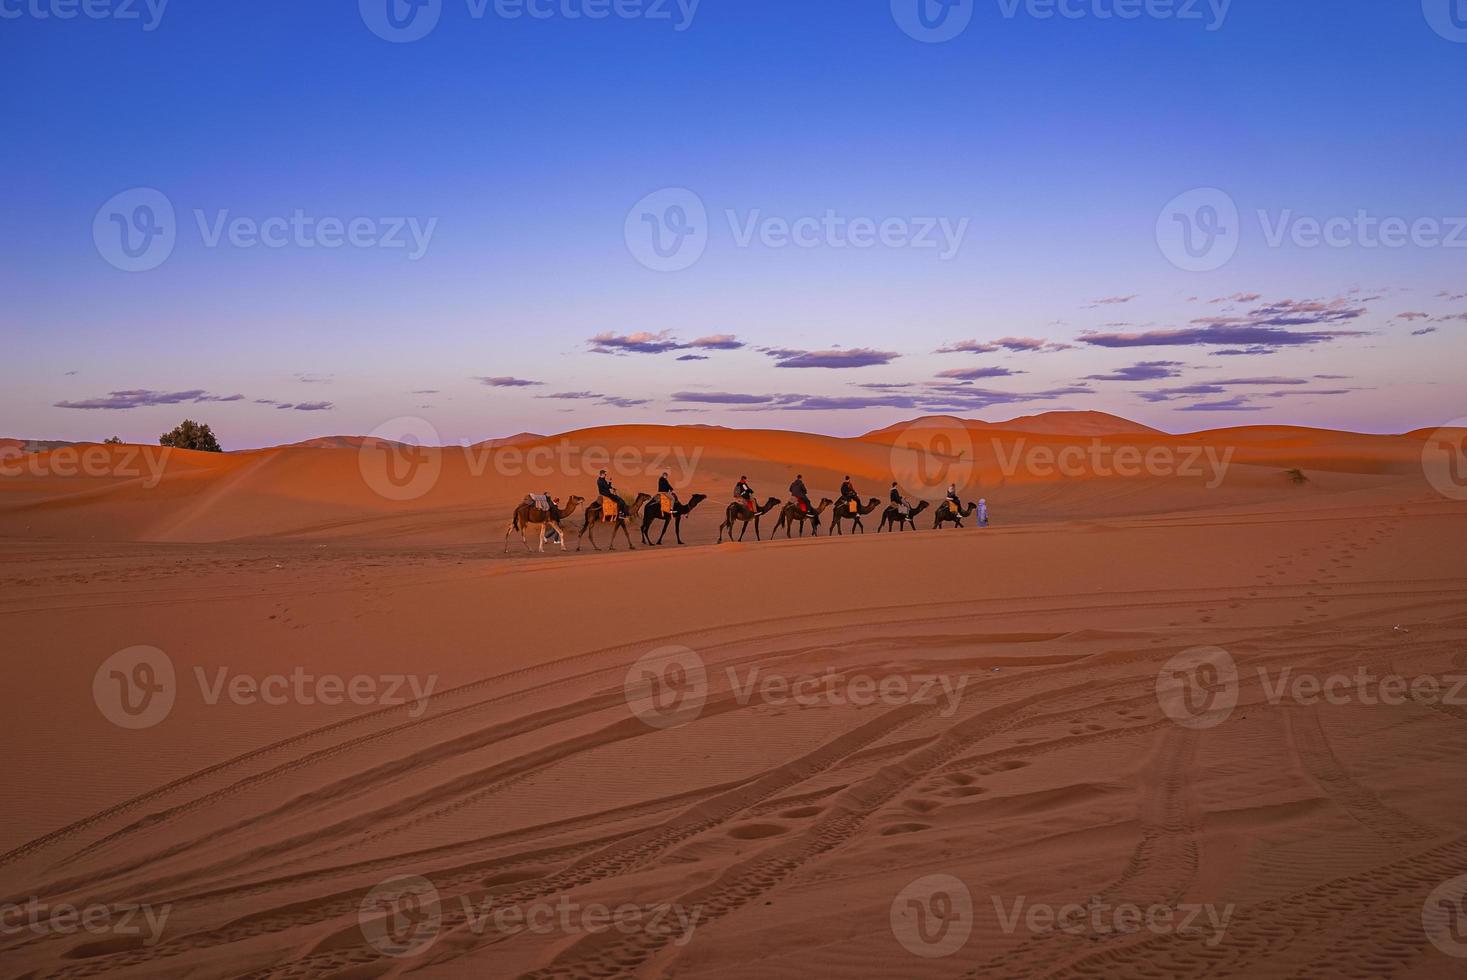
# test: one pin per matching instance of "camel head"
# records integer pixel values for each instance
(769, 505)
(921, 506)
(641, 500)
(824, 503)
(695, 500)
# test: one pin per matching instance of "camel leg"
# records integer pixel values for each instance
(665, 522)
(622, 526)
(677, 528)
(743, 530)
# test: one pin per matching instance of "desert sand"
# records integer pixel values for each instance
(613, 730)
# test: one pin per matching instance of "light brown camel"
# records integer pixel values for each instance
(843, 513)
(593, 517)
(527, 514)
(738, 512)
(894, 518)
(790, 513)
(945, 513)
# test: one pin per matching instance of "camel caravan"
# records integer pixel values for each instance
(546, 514)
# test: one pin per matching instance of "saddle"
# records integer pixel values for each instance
(664, 502)
(540, 502)
(854, 506)
(610, 512)
(745, 505)
(804, 507)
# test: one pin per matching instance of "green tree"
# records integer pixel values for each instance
(191, 435)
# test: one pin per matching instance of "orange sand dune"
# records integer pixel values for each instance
(1142, 725)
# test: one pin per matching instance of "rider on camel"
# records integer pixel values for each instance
(952, 498)
(605, 489)
(664, 485)
(899, 500)
(744, 494)
(801, 495)
(848, 492)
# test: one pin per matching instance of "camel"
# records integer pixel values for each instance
(738, 512)
(945, 513)
(679, 511)
(791, 513)
(593, 517)
(893, 516)
(527, 513)
(843, 513)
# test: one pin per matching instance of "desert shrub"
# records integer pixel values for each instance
(112, 441)
(1296, 476)
(191, 435)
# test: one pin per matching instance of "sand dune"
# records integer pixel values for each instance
(987, 722)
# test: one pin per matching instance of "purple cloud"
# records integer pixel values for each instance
(1238, 403)
(1144, 371)
(857, 357)
(314, 407)
(143, 398)
(975, 374)
(508, 382)
(721, 398)
(1018, 345)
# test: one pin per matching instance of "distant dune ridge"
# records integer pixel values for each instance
(1056, 465)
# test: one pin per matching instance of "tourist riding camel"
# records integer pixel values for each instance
(605, 489)
(848, 495)
(802, 497)
(853, 511)
(664, 485)
(744, 495)
(595, 516)
(653, 511)
(792, 513)
(744, 512)
(894, 519)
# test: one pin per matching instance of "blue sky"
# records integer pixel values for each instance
(1052, 149)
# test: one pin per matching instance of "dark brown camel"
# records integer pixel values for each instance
(843, 513)
(945, 513)
(527, 514)
(738, 512)
(790, 513)
(593, 517)
(893, 516)
(679, 511)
